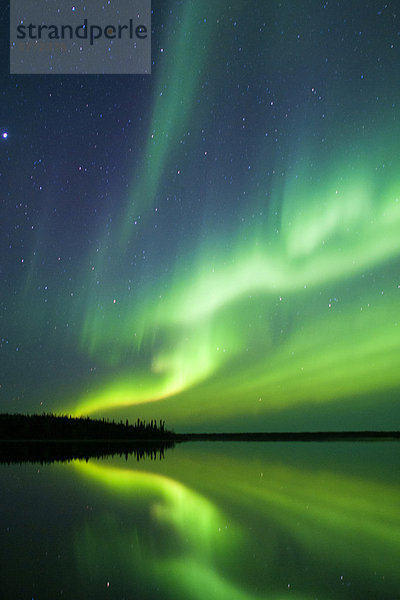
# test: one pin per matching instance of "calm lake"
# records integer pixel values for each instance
(234, 521)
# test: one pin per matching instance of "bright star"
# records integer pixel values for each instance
(4, 135)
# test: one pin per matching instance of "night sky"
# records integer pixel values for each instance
(216, 244)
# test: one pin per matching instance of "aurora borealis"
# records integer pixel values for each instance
(216, 244)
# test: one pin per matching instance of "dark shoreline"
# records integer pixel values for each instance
(284, 436)
(61, 450)
(83, 430)
(303, 436)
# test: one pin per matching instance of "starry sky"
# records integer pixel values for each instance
(216, 244)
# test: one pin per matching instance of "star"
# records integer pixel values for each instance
(4, 135)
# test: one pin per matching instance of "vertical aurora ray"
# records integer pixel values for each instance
(180, 69)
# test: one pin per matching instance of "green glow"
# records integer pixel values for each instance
(214, 333)
(328, 512)
(198, 582)
(321, 237)
(298, 305)
(199, 529)
(190, 361)
(172, 113)
(340, 507)
(198, 523)
(191, 515)
(203, 539)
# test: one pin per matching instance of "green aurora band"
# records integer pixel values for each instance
(299, 307)
(254, 323)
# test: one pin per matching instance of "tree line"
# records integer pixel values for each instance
(55, 427)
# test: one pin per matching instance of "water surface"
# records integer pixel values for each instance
(234, 521)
